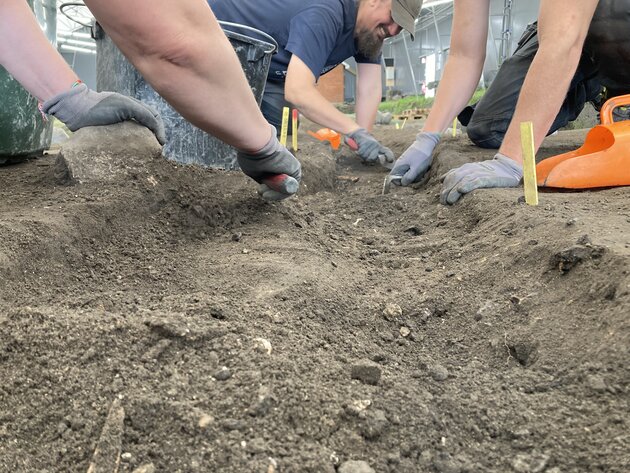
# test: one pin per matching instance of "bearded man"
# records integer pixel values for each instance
(315, 36)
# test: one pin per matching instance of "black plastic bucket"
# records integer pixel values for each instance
(185, 142)
(23, 131)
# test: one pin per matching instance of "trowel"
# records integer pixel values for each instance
(389, 181)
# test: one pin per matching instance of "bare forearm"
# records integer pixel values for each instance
(540, 100)
(319, 110)
(562, 28)
(28, 56)
(460, 79)
(366, 106)
(186, 57)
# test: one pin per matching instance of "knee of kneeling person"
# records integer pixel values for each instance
(484, 135)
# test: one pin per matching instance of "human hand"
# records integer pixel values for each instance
(416, 160)
(369, 149)
(498, 172)
(80, 106)
(274, 168)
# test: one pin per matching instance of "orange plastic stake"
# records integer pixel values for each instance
(326, 134)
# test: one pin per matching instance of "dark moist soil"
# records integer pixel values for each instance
(489, 336)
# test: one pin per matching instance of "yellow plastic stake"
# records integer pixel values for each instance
(285, 126)
(403, 124)
(294, 130)
(529, 163)
(455, 127)
(397, 126)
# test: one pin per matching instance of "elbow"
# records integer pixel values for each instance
(566, 50)
(157, 58)
(294, 94)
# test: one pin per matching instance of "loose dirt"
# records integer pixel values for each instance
(236, 335)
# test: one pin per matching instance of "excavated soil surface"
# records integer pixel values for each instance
(243, 336)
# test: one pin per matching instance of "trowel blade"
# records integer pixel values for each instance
(387, 184)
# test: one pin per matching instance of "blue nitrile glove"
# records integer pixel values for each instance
(414, 163)
(274, 168)
(79, 107)
(498, 172)
(368, 148)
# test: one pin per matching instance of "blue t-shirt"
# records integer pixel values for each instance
(319, 32)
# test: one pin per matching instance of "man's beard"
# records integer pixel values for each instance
(368, 43)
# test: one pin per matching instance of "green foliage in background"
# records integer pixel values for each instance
(397, 106)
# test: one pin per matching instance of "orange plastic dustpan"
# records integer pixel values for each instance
(603, 160)
(326, 134)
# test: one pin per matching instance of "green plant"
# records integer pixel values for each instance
(413, 101)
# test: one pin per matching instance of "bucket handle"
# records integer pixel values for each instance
(606, 112)
(272, 42)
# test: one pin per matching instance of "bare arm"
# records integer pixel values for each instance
(28, 56)
(562, 29)
(182, 52)
(465, 63)
(369, 92)
(301, 91)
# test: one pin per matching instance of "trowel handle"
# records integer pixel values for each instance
(282, 183)
(353, 144)
(606, 113)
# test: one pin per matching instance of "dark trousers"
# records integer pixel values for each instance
(488, 120)
(273, 102)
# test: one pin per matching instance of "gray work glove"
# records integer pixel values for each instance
(79, 107)
(369, 149)
(498, 172)
(416, 160)
(274, 168)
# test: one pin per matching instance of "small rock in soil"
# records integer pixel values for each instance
(147, 468)
(223, 374)
(530, 463)
(596, 383)
(212, 359)
(525, 352)
(375, 424)
(414, 230)
(205, 421)
(126, 457)
(392, 311)
(438, 372)
(355, 466)
(356, 408)
(404, 332)
(367, 372)
(233, 424)
(387, 337)
(568, 258)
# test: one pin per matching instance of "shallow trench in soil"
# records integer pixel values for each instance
(343, 324)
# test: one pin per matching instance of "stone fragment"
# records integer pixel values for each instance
(355, 466)
(367, 372)
(392, 311)
(438, 372)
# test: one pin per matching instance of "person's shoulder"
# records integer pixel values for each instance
(340, 7)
